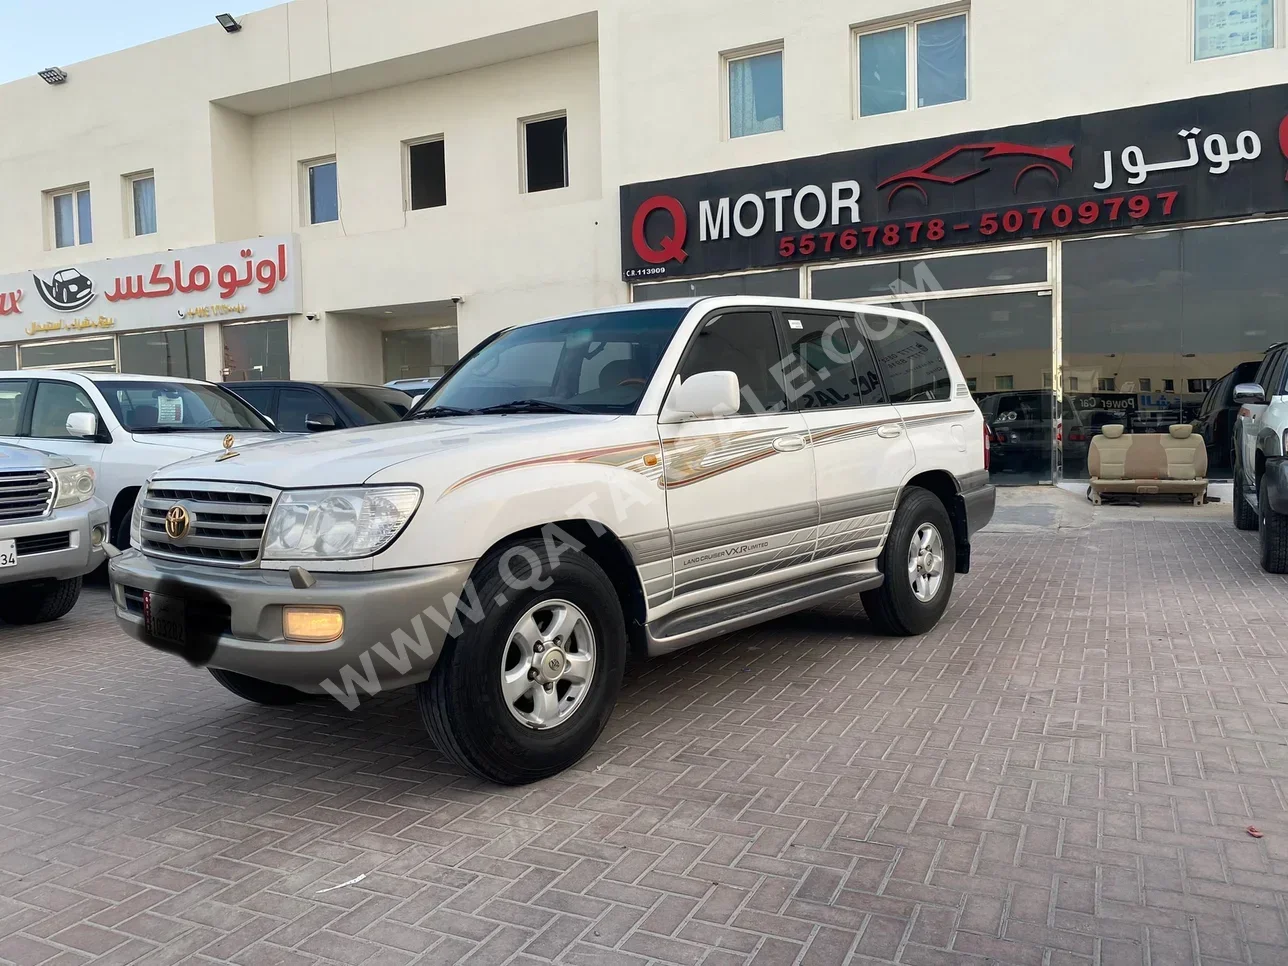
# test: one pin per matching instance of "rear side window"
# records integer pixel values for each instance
(911, 363)
(746, 344)
(829, 364)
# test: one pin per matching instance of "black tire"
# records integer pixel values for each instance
(1273, 538)
(462, 704)
(38, 601)
(1245, 517)
(257, 691)
(893, 608)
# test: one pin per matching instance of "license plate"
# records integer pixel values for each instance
(163, 618)
(8, 553)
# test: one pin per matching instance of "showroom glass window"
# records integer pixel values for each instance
(755, 93)
(167, 352)
(1223, 27)
(256, 350)
(1162, 317)
(918, 64)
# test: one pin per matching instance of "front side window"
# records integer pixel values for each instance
(178, 407)
(547, 366)
(920, 64)
(55, 401)
(755, 94)
(377, 405)
(1224, 27)
(73, 222)
(143, 201)
(910, 361)
(323, 191)
(746, 344)
(294, 406)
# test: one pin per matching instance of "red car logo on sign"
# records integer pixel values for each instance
(1046, 159)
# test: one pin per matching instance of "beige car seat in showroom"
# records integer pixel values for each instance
(1148, 463)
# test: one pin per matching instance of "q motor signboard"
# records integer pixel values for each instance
(250, 279)
(1208, 157)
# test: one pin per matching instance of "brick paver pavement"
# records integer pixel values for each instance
(1061, 774)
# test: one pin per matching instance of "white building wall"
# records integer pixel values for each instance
(225, 120)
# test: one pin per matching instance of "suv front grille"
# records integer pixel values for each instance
(225, 521)
(25, 495)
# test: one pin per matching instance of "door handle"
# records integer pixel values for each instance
(890, 431)
(789, 444)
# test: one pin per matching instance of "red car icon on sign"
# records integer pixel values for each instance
(1044, 159)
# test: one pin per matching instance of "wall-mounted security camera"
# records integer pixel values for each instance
(458, 299)
(312, 316)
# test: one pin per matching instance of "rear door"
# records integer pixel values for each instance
(919, 382)
(861, 452)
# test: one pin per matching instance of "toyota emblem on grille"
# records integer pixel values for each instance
(177, 523)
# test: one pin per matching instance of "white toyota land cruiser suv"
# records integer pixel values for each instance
(625, 481)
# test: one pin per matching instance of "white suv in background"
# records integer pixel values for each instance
(122, 426)
(1261, 458)
(632, 479)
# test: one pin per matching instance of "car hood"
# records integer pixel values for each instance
(348, 457)
(192, 444)
(16, 459)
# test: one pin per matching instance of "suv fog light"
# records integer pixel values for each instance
(97, 536)
(312, 625)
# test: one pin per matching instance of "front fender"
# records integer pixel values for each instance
(465, 520)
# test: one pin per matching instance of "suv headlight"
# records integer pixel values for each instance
(338, 523)
(73, 485)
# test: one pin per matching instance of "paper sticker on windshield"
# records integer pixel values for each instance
(795, 324)
(169, 409)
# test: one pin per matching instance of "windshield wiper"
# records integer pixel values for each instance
(531, 406)
(438, 412)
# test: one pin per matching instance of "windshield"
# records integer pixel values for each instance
(173, 407)
(591, 363)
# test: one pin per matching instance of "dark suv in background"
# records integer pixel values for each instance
(314, 407)
(1218, 415)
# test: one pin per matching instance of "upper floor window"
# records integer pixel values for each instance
(917, 64)
(426, 167)
(1232, 27)
(545, 153)
(143, 203)
(323, 191)
(69, 212)
(755, 92)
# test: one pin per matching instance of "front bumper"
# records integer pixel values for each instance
(234, 619)
(1274, 484)
(59, 546)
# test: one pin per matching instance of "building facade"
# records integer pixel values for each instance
(1087, 195)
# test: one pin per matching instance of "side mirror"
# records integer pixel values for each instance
(1249, 394)
(83, 425)
(319, 422)
(702, 396)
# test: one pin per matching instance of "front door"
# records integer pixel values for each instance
(740, 492)
(862, 454)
